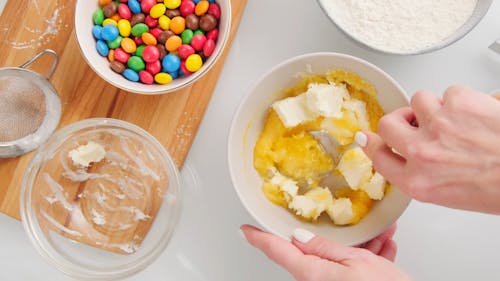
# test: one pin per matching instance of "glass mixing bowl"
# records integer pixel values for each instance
(108, 220)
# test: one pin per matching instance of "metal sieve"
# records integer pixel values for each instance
(30, 108)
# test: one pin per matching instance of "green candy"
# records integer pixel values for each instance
(139, 29)
(139, 50)
(186, 36)
(115, 43)
(198, 31)
(98, 16)
(136, 63)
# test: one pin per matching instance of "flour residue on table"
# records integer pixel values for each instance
(39, 30)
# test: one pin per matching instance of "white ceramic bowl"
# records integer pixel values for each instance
(480, 10)
(83, 27)
(248, 123)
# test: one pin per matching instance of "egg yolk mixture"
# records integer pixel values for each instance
(295, 165)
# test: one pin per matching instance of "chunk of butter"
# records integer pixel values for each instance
(91, 152)
(319, 100)
(340, 211)
(375, 187)
(356, 167)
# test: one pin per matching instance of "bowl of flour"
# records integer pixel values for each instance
(405, 27)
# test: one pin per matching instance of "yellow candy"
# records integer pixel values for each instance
(163, 78)
(109, 21)
(158, 10)
(194, 62)
(128, 45)
(172, 4)
(201, 8)
(124, 27)
(164, 22)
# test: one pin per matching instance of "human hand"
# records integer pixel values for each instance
(314, 258)
(448, 149)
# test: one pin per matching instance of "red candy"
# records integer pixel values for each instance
(124, 11)
(185, 51)
(146, 77)
(150, 54)
(184, 69)
(214, 10)
(213, 34)
(153, 67)
(150, 21)
(187, 8)
(121, 55)
(146, 5)
(156, 31)
(198, 42)
(138, 41)
(209, 48)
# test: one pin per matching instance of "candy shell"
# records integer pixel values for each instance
(131, 75)
(163, 78)
(194, 62)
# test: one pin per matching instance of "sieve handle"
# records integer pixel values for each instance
(41, 53)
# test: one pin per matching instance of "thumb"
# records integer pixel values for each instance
(385, 161)
(311, 244)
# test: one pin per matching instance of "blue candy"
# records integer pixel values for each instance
(96, 31)
(109, 32)
(131, 75)
(134, 6)
(196, 1)
(171, 63)
(102, 48)
(174, 74)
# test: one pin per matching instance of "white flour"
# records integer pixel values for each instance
(400, 25)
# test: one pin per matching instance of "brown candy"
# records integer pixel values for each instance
(162, 50)
(208, 22)
(109, 9)
(137, 18)
(164, 35)
(172, 13)
(117, 66)
(192, 22)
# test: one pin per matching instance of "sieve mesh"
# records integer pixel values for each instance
(22, 108)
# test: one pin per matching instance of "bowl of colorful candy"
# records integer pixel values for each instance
(149, 46)
(292, 155)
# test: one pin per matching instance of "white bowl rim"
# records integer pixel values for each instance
(241, 105)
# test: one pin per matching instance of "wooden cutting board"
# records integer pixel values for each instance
(28, 26)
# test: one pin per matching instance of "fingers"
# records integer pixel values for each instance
(425, 104)
(389, 250)
(386, 162)
(383, 243)
(277, 249)
(377, 244)
(397, 129)
(321, 247)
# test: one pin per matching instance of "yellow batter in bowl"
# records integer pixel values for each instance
(293, 163)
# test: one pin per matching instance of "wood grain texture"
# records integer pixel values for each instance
(28, 26)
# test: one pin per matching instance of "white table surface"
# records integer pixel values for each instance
(435, 243)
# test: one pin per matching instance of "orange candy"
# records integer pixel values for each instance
(128, 45)
(116, 17)
(148, 38)
(173, 43)
(111, 55)
(201, 8)
(104, 2)
(177, 25)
